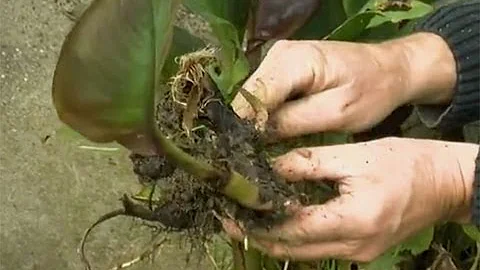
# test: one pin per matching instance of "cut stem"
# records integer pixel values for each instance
(235, 186)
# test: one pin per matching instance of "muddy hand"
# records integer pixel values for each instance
(315, 86)
(390, 189)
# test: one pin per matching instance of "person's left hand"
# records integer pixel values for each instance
(390, 189)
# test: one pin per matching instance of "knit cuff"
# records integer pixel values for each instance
(476, 193)
(459, 25)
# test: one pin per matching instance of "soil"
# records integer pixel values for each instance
(226, 142)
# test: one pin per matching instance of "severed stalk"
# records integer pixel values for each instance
(230, 183)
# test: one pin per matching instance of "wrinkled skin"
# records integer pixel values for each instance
(391, 188)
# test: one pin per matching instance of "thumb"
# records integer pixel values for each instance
(316, 163)
(289, 68)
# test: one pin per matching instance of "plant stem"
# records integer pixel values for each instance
(240, 189)
(236, 186)
(253, 259)
(250, 259)
(271, 264)
(238, 256)
(477, 258)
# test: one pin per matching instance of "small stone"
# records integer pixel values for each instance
(2, 76)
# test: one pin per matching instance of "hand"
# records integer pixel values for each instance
(389, 190)
(343, 86)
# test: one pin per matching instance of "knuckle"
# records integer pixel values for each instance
(310, 49)
(281, 46)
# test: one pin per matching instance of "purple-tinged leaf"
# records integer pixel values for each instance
(109, 69)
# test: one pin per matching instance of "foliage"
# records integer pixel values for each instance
(109, 69)
(105, 82)
(228, 20)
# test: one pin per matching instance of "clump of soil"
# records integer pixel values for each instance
(225, 141)
(194, 116)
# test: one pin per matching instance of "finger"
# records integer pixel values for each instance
(324, 111)
(306, 252)
(327, 222)
(233, 229)
(316, 163)
(289, 68)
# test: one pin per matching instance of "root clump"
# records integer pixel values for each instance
(193, 115)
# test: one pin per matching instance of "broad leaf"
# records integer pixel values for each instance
(415, 245)
(418, 9)
(418, 243)
(385, 262)
(109, 67)
(182, 43)
(472, 231)
(382, 32)
(352, 7)
(222, 17)
(233, 11)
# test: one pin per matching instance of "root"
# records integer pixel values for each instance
(102, 219)
(187, 89)
(146, 254)
(129, 209)
(190, 74)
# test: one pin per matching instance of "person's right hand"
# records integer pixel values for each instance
(343, 86)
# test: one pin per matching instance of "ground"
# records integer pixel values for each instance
(52, 189)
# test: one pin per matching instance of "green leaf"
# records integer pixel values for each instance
(385, 262)
(418, 243)
(472, 232)
(418, 9)
(109, 68)
(329, 16)
(224, 19)
(183, 42)
(352, 28)
(352, 7)
(415, 245)
(379, 33)
(333, 138)
(233, 11)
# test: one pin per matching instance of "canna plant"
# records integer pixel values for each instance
(127, 74)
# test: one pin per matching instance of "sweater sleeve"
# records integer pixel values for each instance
(459, 25)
